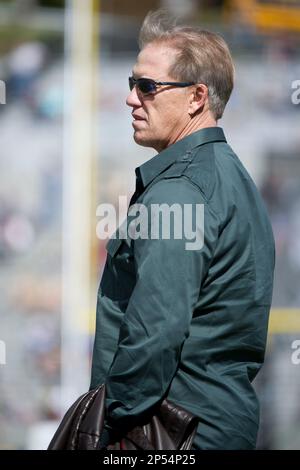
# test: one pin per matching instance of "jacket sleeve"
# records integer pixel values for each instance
(157, 319)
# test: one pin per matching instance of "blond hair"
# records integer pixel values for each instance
(203, 56)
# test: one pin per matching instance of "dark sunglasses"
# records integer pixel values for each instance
(148, 86)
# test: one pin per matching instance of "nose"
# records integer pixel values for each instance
(133, 99)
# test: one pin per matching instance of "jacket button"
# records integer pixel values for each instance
(187, 156)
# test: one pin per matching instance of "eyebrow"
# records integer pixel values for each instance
(137, 76)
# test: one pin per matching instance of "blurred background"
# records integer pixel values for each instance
(66, 146)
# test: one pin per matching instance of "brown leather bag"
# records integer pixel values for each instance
(172, 428)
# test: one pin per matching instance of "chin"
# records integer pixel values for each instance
(145, 141)
(142, 140)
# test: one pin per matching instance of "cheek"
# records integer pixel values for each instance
(163, 114)
(167, 114)
(172, 115)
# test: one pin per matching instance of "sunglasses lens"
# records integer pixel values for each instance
(146, 86)
(131, 83)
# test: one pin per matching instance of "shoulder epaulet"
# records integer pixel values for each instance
(180, 165)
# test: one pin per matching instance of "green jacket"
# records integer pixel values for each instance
(189, 325)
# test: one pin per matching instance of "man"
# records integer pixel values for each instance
(185, 324)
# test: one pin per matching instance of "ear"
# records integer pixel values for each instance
(198, 98)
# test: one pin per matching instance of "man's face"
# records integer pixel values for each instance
(159, 119)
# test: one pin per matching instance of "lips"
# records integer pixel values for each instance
(137, 122)
(136, 117)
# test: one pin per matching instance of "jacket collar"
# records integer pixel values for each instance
(163, 160)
